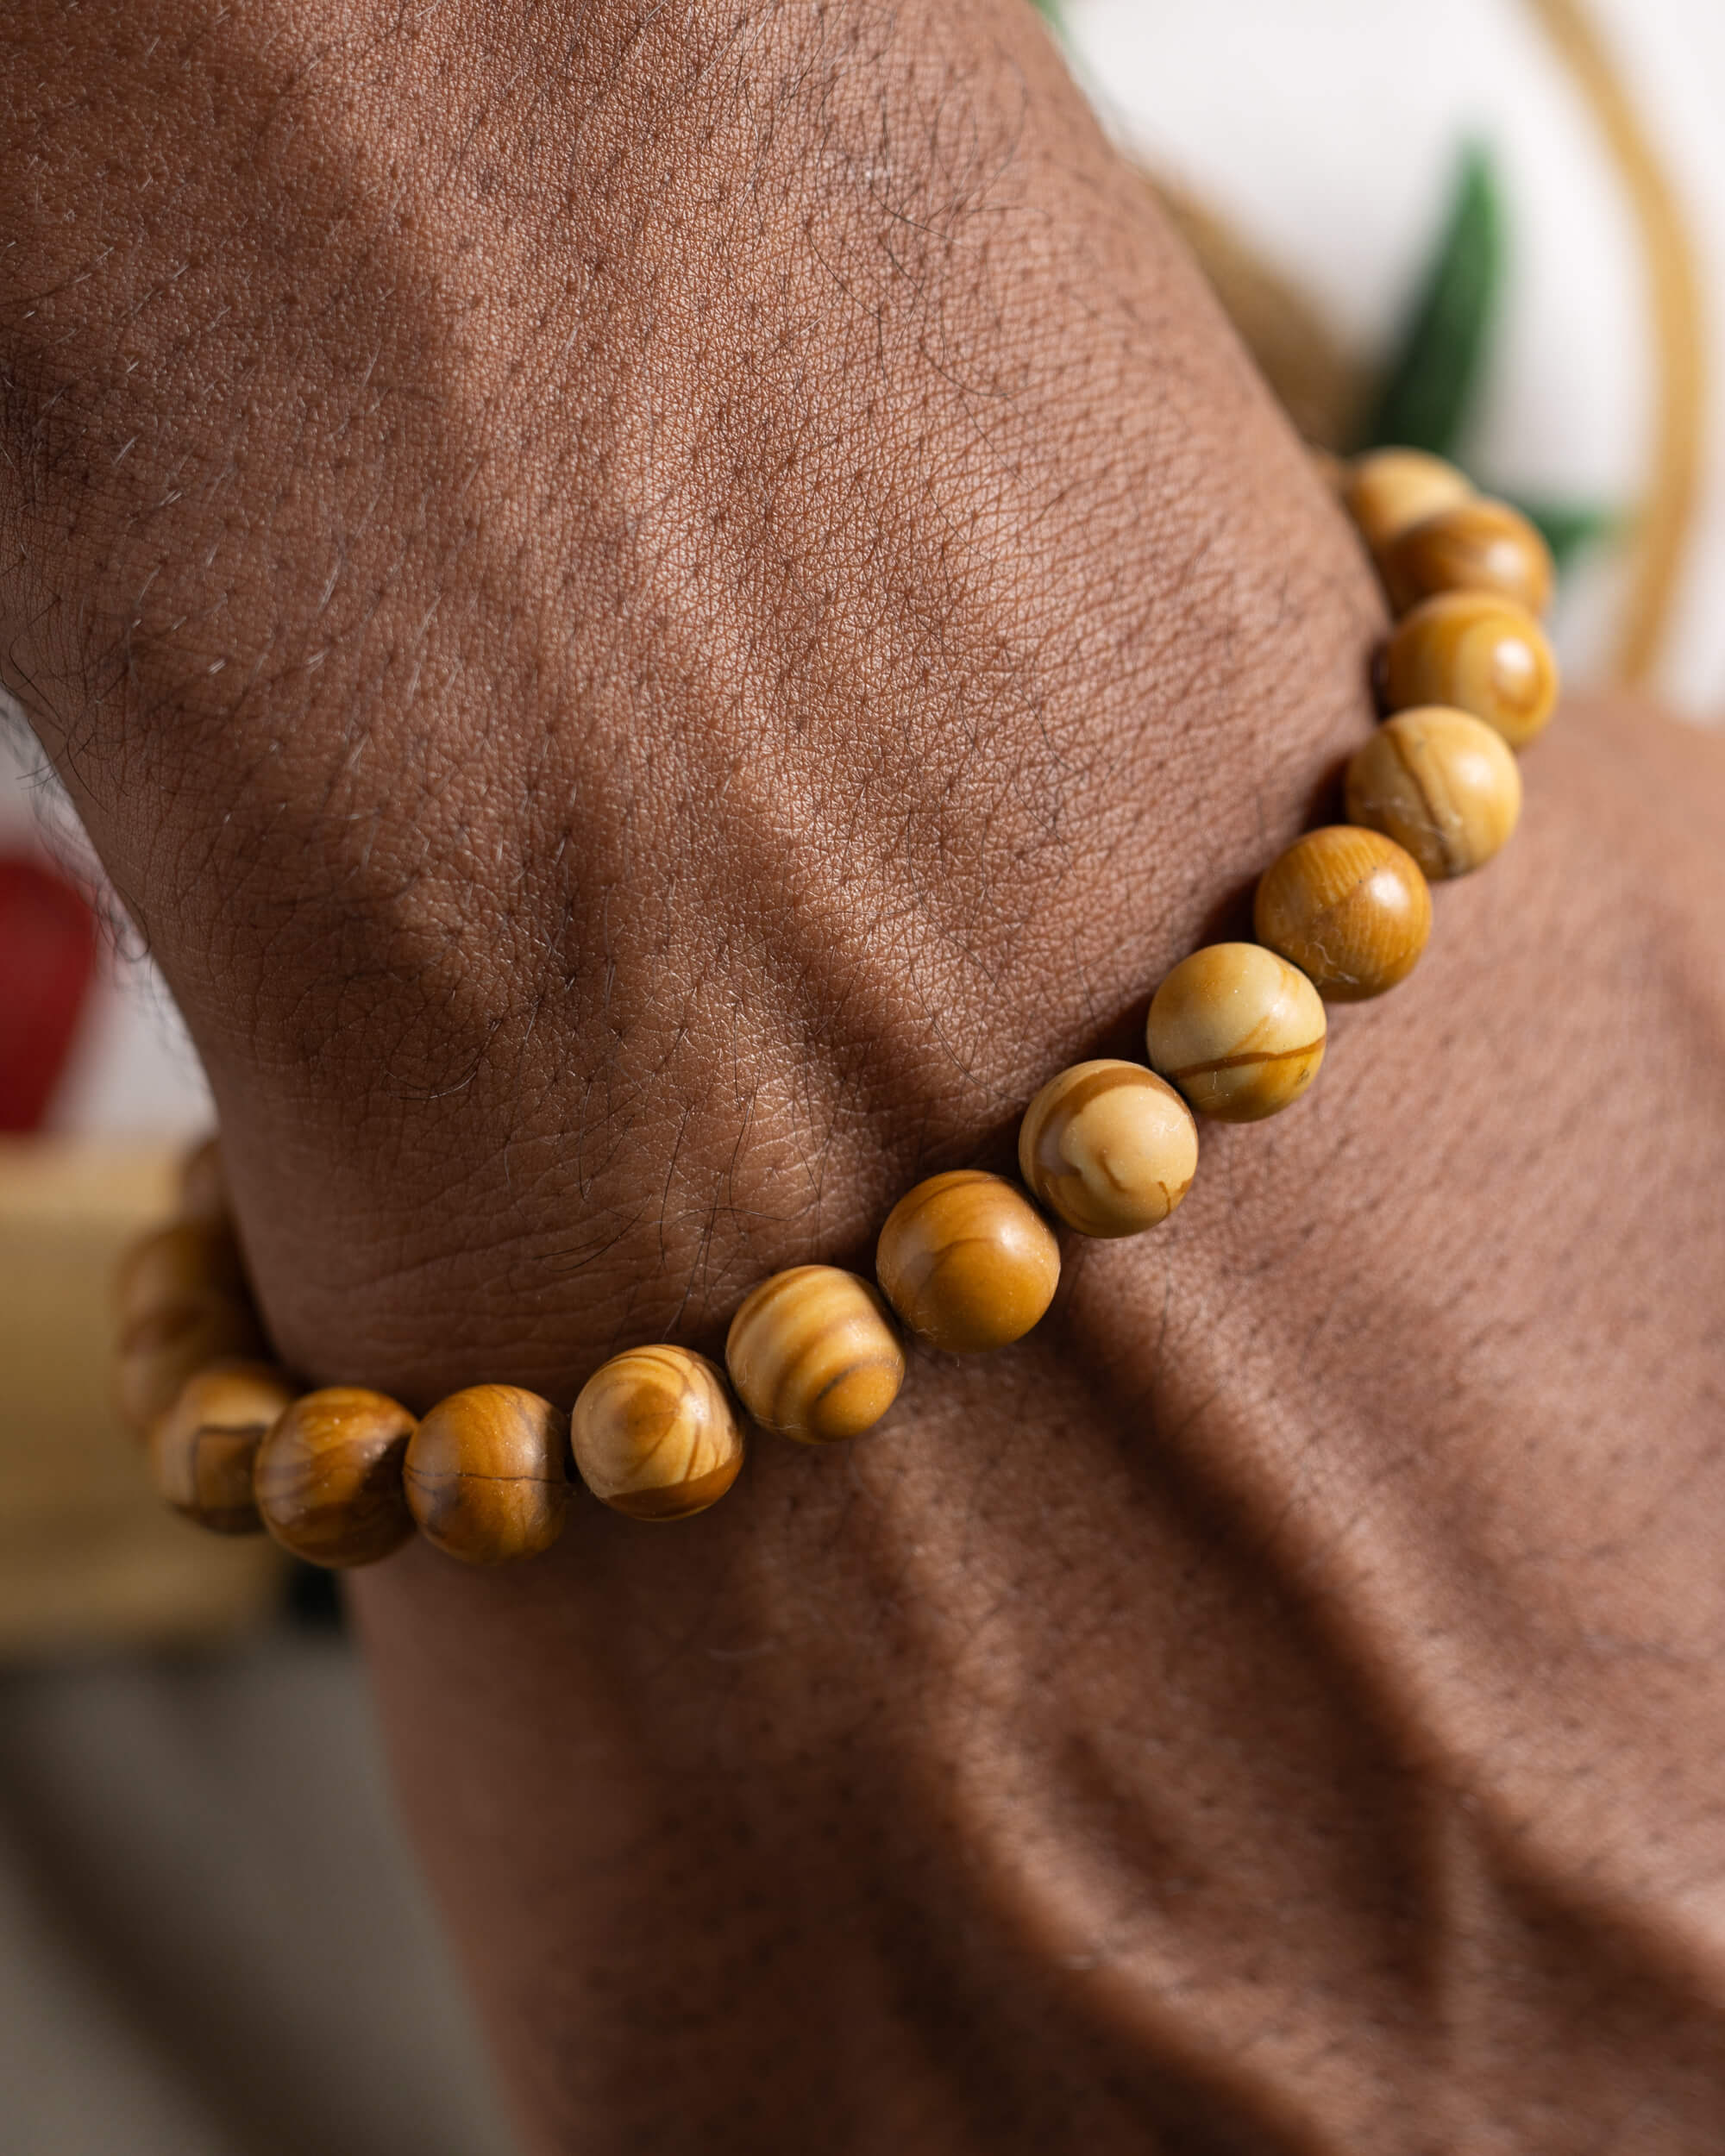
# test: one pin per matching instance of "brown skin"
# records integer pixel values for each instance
(662, 613)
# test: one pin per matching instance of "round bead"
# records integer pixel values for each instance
(968, 1262)
(202, 1447)
(1388, 490)
(1238, 1030)
(1441, 783)
(1349, 908)
(485, 1474)
(655, 1434)
(162, 1349)
(1110, 1147)
(1476, 653)
(191, 1262)
(328, 1477)
(203, 1185)
(813, 1355)
(1476, 546)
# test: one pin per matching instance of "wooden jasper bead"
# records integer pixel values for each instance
(813, 1355)
(1110, 1147)
(655, 1435)
(164, 1347)
(1441, 783)
(1238, 1030)
(968, 1262)
(1476, 546)
(1477, 653)
(1350, 908)
(485, 1476)
(328, 1477)
(1388, 490)
(202, 1449)
(191, 1262)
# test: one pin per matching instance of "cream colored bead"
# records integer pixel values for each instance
(202, 1449)
(1109, 1146)
(655, 1435)
(1350, 908)
(1388, 490)
(968, 1262)
(1474, 652)
(1441, 783)
(813, 1355)
(1238, 1030)
(485, 1474)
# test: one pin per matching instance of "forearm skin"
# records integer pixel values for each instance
(661, 612)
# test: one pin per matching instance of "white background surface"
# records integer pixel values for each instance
(1327, 133)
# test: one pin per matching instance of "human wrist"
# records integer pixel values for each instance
(1020, 764)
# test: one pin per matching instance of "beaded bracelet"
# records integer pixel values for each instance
(966, 1262)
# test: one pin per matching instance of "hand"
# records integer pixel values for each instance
(662, 613)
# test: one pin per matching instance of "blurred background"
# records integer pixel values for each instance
(1494, 230)
(212, 1940)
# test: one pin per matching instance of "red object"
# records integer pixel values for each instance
(47, 961)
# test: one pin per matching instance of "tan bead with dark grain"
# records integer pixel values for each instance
(181, 1301)
(485, 1474)
(1441, 783)
(1109, 1146)
(968, 1262)
(203, 1448)
(162, 1349)
(1476, 546)
(813, 1355)
(1350, 908)
(655, 1434)
(1477, 653)
(1238, 1030)
(1388, 490)
(190, 1262)
(327, 1477)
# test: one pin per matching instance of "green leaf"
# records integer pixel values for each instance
(1050, 10)
(1567, 527)
(1429, 388)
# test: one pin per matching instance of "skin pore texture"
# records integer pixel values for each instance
(660, 611)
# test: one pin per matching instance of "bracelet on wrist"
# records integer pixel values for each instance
(967, 1261)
